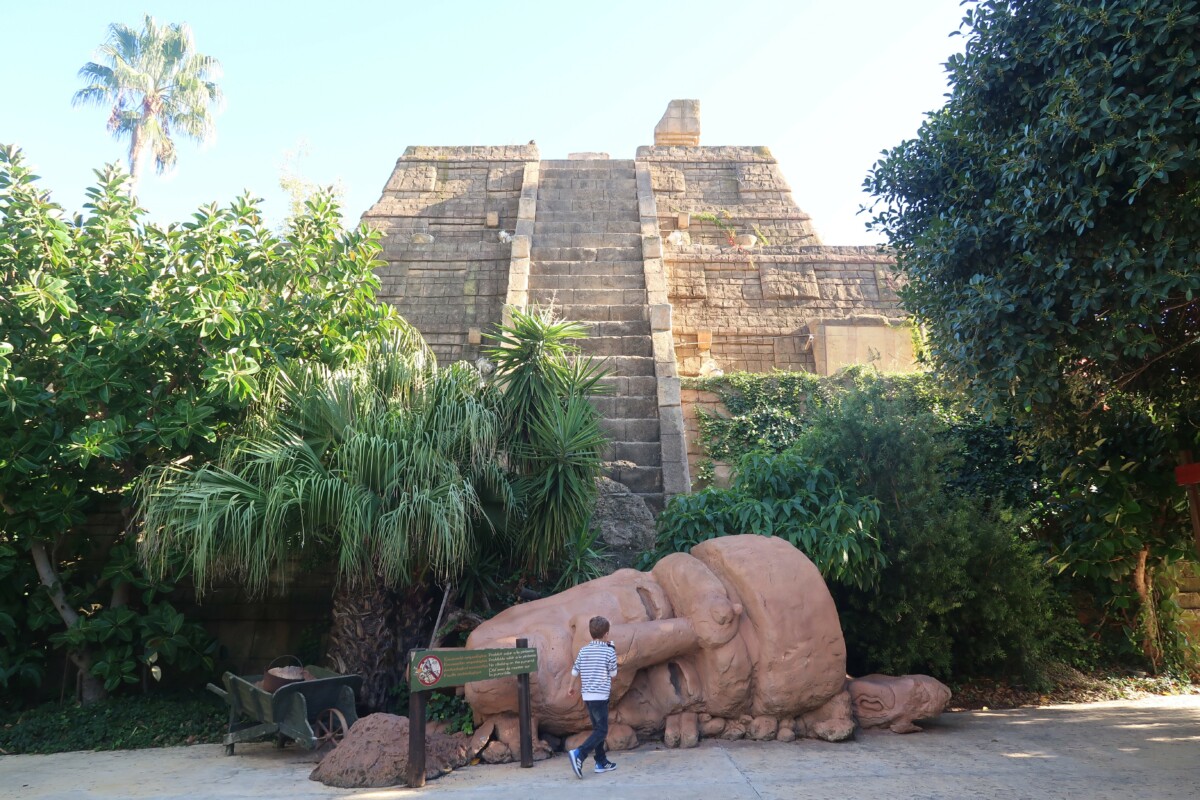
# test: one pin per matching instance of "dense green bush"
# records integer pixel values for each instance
(957, 584)
(782, 495)
(963, 593)
(126, 723)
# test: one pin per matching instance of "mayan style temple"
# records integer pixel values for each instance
(686, 260)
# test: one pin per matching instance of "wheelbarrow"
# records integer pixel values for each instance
(310, 712)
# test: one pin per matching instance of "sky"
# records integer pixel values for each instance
(825, 85)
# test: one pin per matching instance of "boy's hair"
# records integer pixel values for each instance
(597, 626)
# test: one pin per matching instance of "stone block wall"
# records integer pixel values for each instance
(750, 285)
(440, 215)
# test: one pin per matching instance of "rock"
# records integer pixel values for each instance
(623, 521)
(711, 727)
(620, 737)
(786, 732)
(883, 701)
(496, 752)
(762, 729)
(734, 729)
(375, 754)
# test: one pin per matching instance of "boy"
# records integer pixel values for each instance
(596, 666)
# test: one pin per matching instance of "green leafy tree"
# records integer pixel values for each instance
(124, 344)
(157, 85)
(1047, 224)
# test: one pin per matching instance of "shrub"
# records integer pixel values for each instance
(782, 495)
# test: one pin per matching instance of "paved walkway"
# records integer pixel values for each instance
(1147, 749)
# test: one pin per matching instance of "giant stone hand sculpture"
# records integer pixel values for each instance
(739, 638)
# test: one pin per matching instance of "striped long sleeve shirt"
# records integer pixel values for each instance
(596, 666)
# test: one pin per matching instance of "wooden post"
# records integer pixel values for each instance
(525, 714)
(416, 732)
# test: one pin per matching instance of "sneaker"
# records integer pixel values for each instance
(608, 767)
(576, 762)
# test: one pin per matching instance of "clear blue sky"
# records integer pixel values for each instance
(826, 85)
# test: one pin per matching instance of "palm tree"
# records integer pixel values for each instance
(554, 437)
(157, 85)
(386, 465)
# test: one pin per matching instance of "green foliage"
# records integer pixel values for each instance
(157, 85)
(23, 616)
(385, 459)
(1046, 218)
(1047, 222)
(583, 559)
(124, 344)
(787, 496)
(957, 588)
(554, 437)
(766, 412)
(963, 592)
(452, 710)
(151, 720)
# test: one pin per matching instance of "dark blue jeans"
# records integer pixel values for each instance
(598, 711)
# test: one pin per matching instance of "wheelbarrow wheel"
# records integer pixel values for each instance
(330, 727)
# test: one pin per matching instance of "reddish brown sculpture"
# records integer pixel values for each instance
(738, 639)
(883, 701)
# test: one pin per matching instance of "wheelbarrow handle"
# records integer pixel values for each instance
(218, 691)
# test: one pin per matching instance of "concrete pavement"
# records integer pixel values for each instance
(1145, 748)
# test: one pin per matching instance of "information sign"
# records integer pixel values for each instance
(433, 669)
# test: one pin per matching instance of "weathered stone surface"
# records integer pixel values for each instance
(833, 722)
(883, 701)
(624, 522)
(680, 124)
(742, 629)
(375, 753)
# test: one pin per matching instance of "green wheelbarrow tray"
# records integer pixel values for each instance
(311, 713)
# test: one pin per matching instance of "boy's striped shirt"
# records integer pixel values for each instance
(596, 666)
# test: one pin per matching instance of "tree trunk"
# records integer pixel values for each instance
(373, 628)
(1148, 615)
(135, 157)
(91, 687)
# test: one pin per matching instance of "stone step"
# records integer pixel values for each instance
(585, 164)
(589, 240)
(589, 297)
(620, 387)
(620, 328)
(628, 367)
(586, 181)
(585, 253)
(587, 269)
(627, 407)
(594, 219)
(636, 429)
(617, 346)
(593, 313)
(640, 480)
(538, 280)
(619, 208)
(644, 454)
(618, 226)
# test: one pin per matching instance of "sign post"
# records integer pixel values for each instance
(435, 669)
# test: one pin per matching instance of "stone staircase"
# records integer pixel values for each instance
(586, 259)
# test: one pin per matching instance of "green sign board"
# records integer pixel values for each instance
(433, 669)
